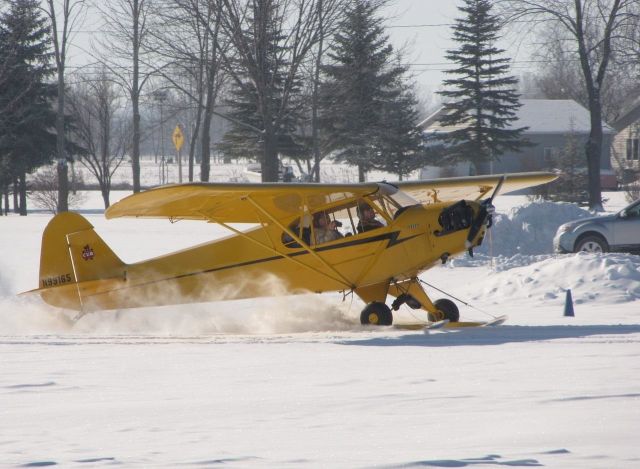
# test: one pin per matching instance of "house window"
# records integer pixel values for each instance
(549, 153)
(632, 149)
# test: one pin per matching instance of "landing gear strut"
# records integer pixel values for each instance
(377, 314)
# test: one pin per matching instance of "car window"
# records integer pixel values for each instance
(633, 211)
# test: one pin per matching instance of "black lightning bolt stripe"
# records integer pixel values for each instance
(392, 237)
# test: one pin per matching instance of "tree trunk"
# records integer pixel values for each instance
(16, 204)
(63, 174)
(315, 104)
(205, 164)
(105, 196)
(195, 133)
(593, 154)
(362, 173)
(135, 153)
(135, 98)
(270, 164)
(6, 202)
(23, 194)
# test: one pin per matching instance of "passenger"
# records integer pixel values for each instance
(324, 228)
(367, 218)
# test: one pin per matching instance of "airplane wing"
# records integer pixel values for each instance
(234, 203)
(249, 203)
(471, 187)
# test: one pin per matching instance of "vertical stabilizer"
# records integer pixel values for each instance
(72, 253)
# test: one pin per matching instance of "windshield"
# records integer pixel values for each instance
(400, 198)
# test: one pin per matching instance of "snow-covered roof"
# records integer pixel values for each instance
(542, 116)
(628, 114)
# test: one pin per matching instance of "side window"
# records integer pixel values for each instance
(634, 212)
(368, 218)
(326, 227)
(303, 231)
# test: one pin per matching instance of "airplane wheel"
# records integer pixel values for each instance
(377, 314)
(448, 309)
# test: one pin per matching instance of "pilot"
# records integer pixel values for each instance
(367, 218)
(324, 228)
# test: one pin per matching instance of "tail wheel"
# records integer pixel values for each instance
(447, 310)
(377, 314)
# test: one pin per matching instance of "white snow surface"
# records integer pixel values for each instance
(297, 382)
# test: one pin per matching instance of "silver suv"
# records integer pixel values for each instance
(619, 232)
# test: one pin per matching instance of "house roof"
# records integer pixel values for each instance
(629, 114)
(542, 116)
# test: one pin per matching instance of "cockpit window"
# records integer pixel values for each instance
(403, 199)
(335, 223)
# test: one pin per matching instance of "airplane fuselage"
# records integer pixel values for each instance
(258, 263)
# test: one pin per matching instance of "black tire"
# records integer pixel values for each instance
(448, 308)
(377, 314)
(591, 243)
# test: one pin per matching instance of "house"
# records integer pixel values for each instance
(550, 122)
(625, 157)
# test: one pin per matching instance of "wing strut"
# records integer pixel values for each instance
(306, 247)
(272, 249)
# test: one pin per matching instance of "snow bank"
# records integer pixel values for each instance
(601, 278)
(529, 229)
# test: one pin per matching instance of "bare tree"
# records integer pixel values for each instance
(122, 47)
(98, 129)
(560, 75)
(271, 39)
(593, 26)
(64, 16)
(188, 41)
(329, 13)
(44, 190)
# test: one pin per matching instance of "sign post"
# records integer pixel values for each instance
(178, 141)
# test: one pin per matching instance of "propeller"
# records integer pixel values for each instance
(484, 216)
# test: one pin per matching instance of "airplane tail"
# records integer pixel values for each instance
(73, 253)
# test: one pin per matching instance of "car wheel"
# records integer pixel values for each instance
(592, 243)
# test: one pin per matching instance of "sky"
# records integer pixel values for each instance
(421, 28)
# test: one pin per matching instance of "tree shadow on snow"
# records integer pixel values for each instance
(496, 335)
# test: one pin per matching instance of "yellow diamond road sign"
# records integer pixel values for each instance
(178, 137)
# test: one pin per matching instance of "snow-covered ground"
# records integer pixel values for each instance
(297, 382)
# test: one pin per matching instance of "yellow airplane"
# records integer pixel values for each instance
(372, 239)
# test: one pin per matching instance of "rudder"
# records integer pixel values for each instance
(72, 252)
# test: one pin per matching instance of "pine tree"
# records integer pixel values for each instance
(26, 139)
(358, 83)
(400, 141)
(264, 104)
(572, 184)
(482, 98)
